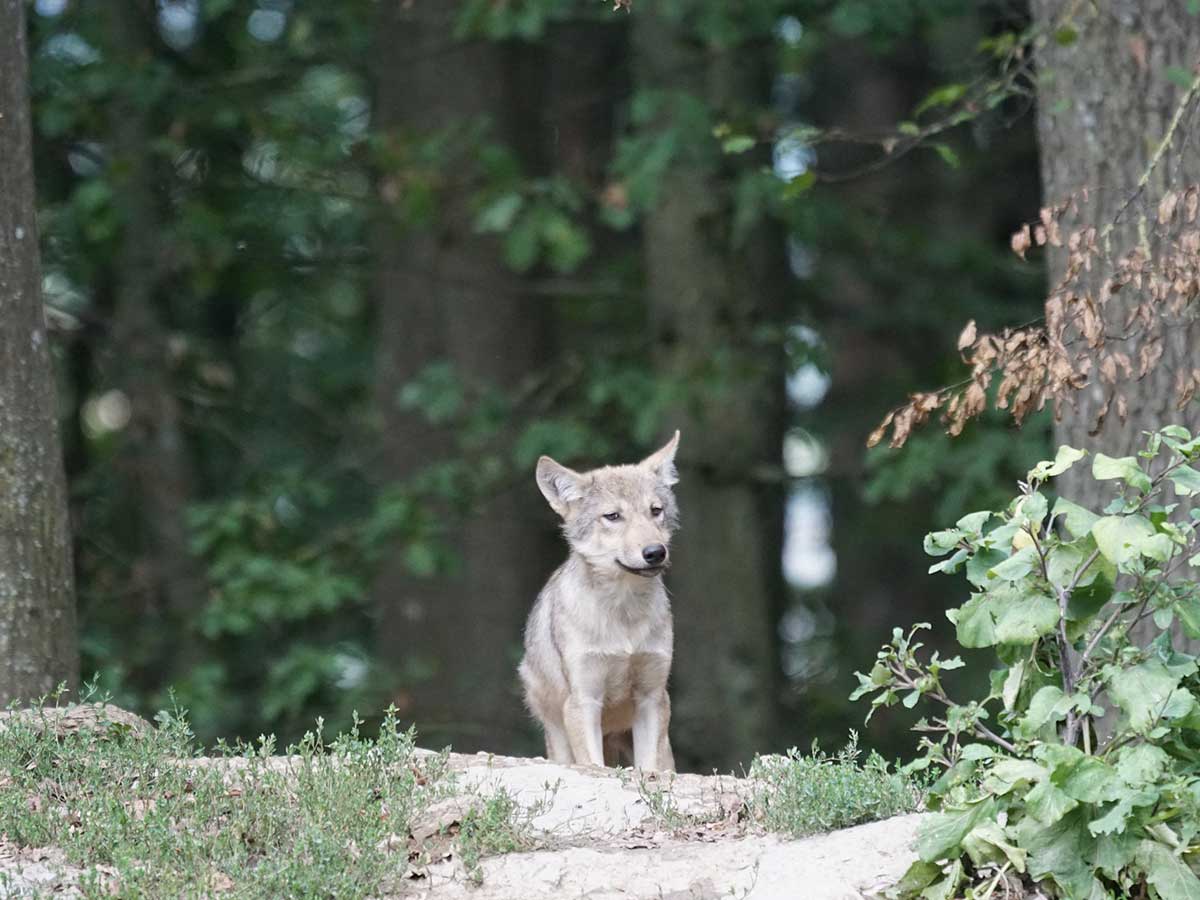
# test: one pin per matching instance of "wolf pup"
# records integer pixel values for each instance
(598, 642)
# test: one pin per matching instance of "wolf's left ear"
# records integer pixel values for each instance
(662, 462)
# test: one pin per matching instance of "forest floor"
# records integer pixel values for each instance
(131, 813)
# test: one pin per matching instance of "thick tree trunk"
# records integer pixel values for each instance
(157, 463)
(709, 301)
(38, 643)
(1105, 103)
(443, 293)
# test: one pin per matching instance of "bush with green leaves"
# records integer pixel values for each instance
(1079, 772)
(799, 795)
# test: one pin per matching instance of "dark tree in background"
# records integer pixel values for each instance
(717, 310)
(447, 302)
(38, 647)
(329, 277)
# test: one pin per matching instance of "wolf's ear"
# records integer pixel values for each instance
(560, 486)
(662, 462)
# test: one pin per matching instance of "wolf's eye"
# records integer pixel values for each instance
(613, 516)
(656, 510)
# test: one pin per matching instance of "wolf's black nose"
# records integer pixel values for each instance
(654, 554)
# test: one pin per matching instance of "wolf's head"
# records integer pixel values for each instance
(618, 518)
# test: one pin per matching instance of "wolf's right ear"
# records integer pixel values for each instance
(662, 462)
(559, 485)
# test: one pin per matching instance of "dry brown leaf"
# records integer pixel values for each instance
(877, 435)
(1021, 242)
(967, 337)
(1166, 207)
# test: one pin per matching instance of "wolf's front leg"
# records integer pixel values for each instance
(581, 716)
(651, 717)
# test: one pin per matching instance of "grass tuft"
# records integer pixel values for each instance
(146, 818)
(800, 795)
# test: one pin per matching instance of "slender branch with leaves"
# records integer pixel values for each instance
(1077, 771)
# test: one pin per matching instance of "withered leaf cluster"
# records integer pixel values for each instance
(1087, 336)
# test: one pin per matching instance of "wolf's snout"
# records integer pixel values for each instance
(654, 554)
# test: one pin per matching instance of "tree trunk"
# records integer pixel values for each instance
(709, 302)
(1105, 103)
(157, 463)
(38, 643)
(444, 294)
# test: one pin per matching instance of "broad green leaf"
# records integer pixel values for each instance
(920, 875)
(973, 623)
(1116, 820)
(1063, 460)
(1029, 512)
(1079, 521)
(941, 835)
(1048, 803)
(1121, 538)
(972, 523)
(1087, 600)
(1092, 781)
(1012, 685)
(947, 888)
(1114, 852)
(1166, 872)
(1141, 764)
(1125, 468)
(950, 564)
(1059, 851)
(1186, 481)
(978, 751)
(979, 565)
(1145, 692)
(1022, 618)
(1016, 566)
(939, 543)
(1188, 610)
(1047, 706)
(987, 842)
(1007, 774)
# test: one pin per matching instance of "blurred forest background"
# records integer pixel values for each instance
(325, 278)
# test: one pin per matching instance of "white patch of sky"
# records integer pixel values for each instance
(50, 8)
(808, 558)
(70, 48)
(179, 22)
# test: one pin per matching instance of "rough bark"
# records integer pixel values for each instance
(1105, 102)
(707, 299)
(443, 293)
(38, 643)
(156, 463)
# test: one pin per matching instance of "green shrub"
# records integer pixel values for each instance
(1080, 770)
(801, 795)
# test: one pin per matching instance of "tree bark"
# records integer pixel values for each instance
(1105, 102)
(38, 643)
(443, 293)
(709, 301)
(157, 462)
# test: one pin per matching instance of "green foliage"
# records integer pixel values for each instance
(274, 180)
(1076, 772)
(800, 795)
